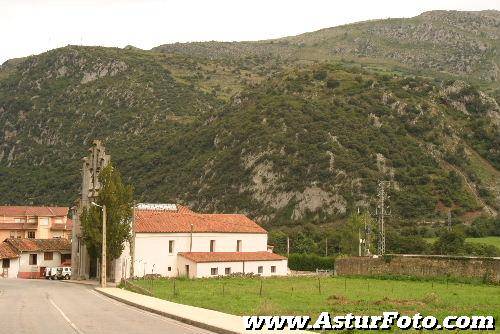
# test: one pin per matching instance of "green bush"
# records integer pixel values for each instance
(310, 262)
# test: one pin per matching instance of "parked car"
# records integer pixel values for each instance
(50, 272)
(63, 273)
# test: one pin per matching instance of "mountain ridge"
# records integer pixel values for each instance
(285, 141)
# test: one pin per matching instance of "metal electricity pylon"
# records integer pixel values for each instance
(382, 212)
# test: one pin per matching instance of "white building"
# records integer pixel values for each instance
(28, 258)
(170, 240)
(9, 259)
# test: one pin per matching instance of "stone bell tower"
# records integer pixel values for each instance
(92, 166)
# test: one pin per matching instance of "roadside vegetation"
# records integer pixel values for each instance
(338, 295)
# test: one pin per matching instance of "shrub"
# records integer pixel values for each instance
(310, 262)
(332, 83)
(320, 75)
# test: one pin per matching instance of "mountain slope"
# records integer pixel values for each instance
(286, 143)
(464, 44)
(289, 131)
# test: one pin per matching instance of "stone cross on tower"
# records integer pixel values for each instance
(92, 166)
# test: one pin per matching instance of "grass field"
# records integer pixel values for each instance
(495, 241)
(303, 296)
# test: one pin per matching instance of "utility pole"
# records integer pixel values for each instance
(449, 220)
(368, 232)
(326, 246)
(103, 262)
(287, 246)
(381, 213)
(359, 242)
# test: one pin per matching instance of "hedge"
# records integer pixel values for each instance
(310, 262)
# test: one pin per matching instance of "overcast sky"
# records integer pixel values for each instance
(34, 26)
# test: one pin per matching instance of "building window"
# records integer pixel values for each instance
(31, 234)
(214, 271)
(212, 245)
(228, 271)
(238, 245)
(44, 221)
(31, 220)
(20, 220)
(6, 263)
(273, 269)
(33, 260)
(169, 268)
(48, 256)
(65, 258)
(260, 269)
(13, 234)
(171, 246)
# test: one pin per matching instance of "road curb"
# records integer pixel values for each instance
(188, 321)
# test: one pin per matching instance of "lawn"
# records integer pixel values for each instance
(495, 241)
(310, 296)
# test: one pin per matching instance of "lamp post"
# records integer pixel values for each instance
(103, 253)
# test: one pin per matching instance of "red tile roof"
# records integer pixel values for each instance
(39, 245)
(23, 211)
(6, 252)
(63, 227)
(231, 256)
(18, 226)
(151, 221)
(183, 209)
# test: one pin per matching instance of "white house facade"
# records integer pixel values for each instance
(9, 259)
(28, 258)
(171, 240)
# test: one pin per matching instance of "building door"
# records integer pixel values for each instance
(187, 270)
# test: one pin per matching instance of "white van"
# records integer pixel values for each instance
(63, 273)
(50, 272)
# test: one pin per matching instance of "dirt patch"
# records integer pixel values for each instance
(399, 302)
(338, 300)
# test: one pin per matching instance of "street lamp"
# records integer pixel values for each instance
(103, 253)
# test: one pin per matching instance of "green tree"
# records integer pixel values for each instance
(350, 232)
(278, 240)
(118, 199)
(450, 243)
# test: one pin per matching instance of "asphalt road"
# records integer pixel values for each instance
(42, 307)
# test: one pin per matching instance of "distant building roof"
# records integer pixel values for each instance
(18, 226)
(231, 256)
(163, 207)
(39, 245)
(184, 221)
(62, 227)
(24, 211)
(6, 251)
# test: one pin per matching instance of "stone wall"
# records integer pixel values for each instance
(421, 266)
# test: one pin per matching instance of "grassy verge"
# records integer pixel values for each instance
(310, 296)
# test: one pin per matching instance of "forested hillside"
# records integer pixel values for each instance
(287, 140)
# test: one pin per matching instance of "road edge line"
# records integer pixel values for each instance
(65, 317)
(188, 321)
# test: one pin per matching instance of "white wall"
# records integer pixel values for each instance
(13, 270)
(24, 265)
(204, 269)
(122, 264)
(152, 248)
